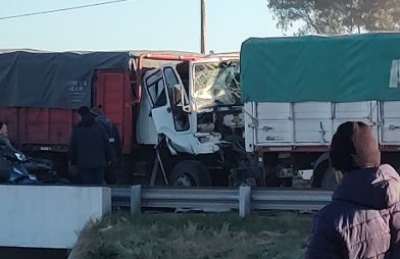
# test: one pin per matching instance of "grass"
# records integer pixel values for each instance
(195, 236)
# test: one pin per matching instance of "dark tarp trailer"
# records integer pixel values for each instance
(53, 79)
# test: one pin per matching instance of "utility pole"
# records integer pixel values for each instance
(203, 27)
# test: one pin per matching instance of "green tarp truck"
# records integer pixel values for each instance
(298, 90)
(317, 68)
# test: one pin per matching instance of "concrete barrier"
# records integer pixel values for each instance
(49, 216)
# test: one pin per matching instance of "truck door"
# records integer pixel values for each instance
(165, 98)
(157, 93)
(177, 99)
(171, 112)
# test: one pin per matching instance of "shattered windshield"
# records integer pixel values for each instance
(217, 83)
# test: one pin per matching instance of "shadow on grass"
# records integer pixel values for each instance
(194, 236)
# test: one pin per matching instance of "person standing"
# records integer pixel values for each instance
(5, 148)
(363, 219)
(89, 149)
(115, 142)
(4, 141)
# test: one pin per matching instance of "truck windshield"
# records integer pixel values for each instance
(217, 84)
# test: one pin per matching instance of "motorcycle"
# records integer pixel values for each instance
(31, 171)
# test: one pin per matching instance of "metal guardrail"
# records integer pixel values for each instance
(243, 199)
(298, 200)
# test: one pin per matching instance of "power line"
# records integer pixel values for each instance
(61, 9)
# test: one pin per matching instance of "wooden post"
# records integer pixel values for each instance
(203, 27)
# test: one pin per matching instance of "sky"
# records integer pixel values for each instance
(134, 25)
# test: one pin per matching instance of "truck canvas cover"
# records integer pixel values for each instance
(351, 68)
(50, 79)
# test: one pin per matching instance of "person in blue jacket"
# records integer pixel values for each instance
(89, 148)
(363, 219)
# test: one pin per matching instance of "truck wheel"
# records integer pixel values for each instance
(328, 181)
(190, 173)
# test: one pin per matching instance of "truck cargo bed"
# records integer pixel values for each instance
(309, 125)
(39, 128)
(49, 129)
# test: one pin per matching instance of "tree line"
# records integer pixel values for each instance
(336, 16)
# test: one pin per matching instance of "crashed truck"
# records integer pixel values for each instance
(179, 114)
(297, 91)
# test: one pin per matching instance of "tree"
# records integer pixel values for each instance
(337, 16)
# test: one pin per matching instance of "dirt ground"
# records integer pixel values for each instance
(195, 236)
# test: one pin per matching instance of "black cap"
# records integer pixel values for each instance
(84, 110)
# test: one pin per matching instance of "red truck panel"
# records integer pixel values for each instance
(39, 128)
(114, 93)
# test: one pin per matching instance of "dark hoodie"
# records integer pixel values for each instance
(363, 219)
(111, 129)
(89, 147)
(100, 117)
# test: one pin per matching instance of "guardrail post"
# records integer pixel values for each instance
(244, 200)
(136, 199)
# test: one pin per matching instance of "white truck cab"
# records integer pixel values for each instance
(175, 97)
(195, 107)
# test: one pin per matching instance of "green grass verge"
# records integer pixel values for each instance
(195, 236)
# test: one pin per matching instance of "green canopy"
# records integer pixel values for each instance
(317, 68)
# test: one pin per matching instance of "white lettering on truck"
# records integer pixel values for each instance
(395, 74)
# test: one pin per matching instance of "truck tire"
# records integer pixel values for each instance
(328, 181)
(190, 173)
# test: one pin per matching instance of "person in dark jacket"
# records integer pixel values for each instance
(115, 142)
(89, 148)
(4, 141)
(5, 148)
(363, 219)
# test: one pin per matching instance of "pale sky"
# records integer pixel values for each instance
(137, 24)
